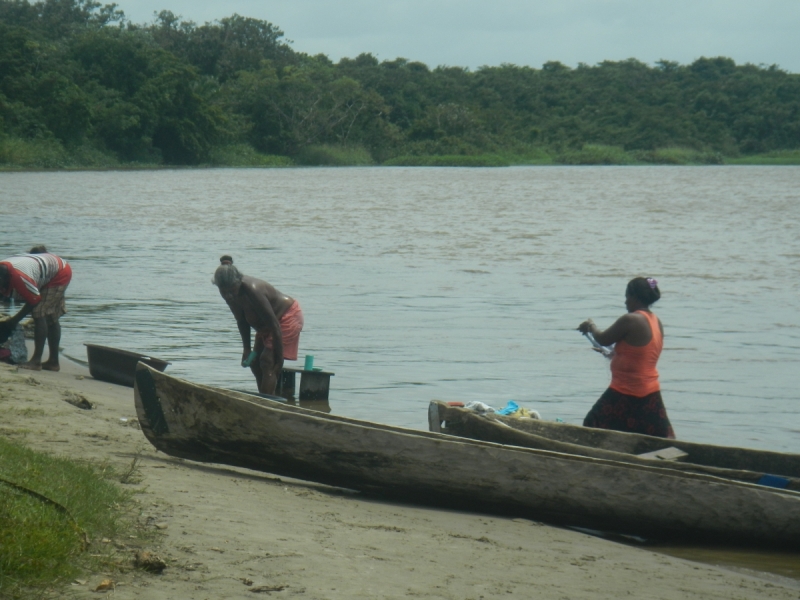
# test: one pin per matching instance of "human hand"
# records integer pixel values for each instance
(5, 331)
(247, 359)
(587, 326)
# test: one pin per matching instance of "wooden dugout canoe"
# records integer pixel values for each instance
(118, 366)
(212, 425)
(744, 464)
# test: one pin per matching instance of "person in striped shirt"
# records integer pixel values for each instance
(40, 280)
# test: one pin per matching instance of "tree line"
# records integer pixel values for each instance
(78, 79)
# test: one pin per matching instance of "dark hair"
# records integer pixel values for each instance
(226, 259)
(38, 250)
(644, 289)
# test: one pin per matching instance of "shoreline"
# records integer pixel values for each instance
(221, 527)
(127, 168)
(588, 155)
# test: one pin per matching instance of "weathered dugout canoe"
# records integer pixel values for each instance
(118, 366)
(743, 464)
(220, 426)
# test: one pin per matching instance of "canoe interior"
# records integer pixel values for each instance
(118, 366)
(315, 405)
(562, 437)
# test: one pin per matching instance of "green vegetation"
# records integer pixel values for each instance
(785, 157)
(50, 154)
(242, 155)
(678, 156)
(53, 514)
(81, 86)
(595, 154)
(335, 156)
(451, 160)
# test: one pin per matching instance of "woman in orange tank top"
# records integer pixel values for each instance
(632, 401)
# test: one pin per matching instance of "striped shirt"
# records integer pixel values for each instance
(30, 273)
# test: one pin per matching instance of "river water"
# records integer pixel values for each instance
(452, 284)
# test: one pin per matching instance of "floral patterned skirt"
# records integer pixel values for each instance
(622, 412)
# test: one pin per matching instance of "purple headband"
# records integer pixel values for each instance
(653, 282)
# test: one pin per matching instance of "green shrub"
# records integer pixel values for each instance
(595, 154)
(17, 153)
(457, 160)
(534, 156)
(678, 156)
(243, 155)
(37, 154)
(335, 156)
(87, 156)
(780, 157)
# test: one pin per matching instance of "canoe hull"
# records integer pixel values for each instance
(118, 366)
(604, 443)
(209, 425)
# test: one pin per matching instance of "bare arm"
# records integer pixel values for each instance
(621, 328)
(243, 326)
(7, 326)
(23, 312)
(17, 318)
(244, 331)
(268, 321)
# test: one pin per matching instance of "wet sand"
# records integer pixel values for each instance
(232, 533)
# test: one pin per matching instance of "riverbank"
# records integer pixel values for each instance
(31, 156)
(227, 532)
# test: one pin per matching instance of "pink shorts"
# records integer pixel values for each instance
(291, 325)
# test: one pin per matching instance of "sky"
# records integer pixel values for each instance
(475, 33)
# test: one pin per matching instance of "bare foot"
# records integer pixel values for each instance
(48, 366)
(31, 366)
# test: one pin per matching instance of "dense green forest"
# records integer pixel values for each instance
(82, 86)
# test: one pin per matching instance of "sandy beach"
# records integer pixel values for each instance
(232, 533)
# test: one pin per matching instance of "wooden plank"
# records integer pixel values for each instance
(671, 453)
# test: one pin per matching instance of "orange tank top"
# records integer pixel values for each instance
(633, 368)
